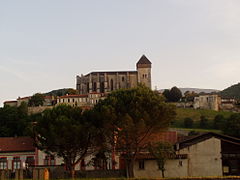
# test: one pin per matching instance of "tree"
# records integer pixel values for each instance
(189, 96)
(161, 151)
(219, 121)
(203, 122)
(66, 132)
(232, 125)
(188, 122)
(166, 94)
(13, 121)
(173, 95)
(36, 100)
(131, 116)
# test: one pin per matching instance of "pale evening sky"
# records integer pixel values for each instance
(44, 44)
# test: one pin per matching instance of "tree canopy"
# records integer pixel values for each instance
(231, 126)
(64, 131)
(133, 115)
(36, 100)
(13, 121)
(161, 151)
(173, 95)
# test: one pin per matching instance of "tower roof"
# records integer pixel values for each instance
(143, 60)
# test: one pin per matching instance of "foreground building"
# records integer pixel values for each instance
(208, 154)
(103, 82)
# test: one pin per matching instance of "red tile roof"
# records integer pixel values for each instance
(10, 101)
(16, 144)
(168, 136)
(73, 96)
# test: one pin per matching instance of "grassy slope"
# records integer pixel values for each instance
(195, 115)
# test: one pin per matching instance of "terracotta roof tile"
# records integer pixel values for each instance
(16, 144)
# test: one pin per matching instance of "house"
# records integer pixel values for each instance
(81, 100)
(20, 153)
(209, 154)
(17, 152)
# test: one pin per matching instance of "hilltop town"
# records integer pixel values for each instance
(38, 132)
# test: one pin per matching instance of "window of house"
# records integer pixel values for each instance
(49, 160)
(141, 164)
(52, 160)
(3, 163)
(123, 79)
(16, 163)
(72, 100)
(30, 161)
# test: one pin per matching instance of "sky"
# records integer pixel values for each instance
(44, 44)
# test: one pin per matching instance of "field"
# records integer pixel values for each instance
(195, 115)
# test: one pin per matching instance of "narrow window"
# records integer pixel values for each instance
(3, 163)
(111, 85)
(16, 163)
(30, 161)
(141, 164)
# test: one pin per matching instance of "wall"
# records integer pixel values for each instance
(204, 158)
(173, 169)
(22, 155)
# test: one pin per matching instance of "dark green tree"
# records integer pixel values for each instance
(36, 100)
(66, 132)
(203, 122)
(188, 123)
(166, 94)
(218, 121)
(175, 94)
(162, 151)
(13, 121)
(232, 125)
(132, 116)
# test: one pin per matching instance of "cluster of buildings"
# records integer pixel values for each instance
(212, 102)
(95, 86)
(191, 158)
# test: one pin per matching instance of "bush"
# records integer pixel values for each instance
(218, 122)
(203, 122)
(188, 123)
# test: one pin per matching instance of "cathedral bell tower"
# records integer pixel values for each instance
(144, 67)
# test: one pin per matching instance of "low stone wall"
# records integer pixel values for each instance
(101, 174)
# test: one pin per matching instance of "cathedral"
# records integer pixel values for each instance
(103, 82)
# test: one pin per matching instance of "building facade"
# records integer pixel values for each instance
(208, 101)
(104, 82)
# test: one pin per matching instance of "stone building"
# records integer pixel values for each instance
(208, 101)
(81, 100)
(103, 82)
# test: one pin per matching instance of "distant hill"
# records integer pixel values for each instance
(61, 92)
(231, 92)
(196, 90)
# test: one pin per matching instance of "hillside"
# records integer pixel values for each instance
(196, 90)
(195, 114)
(61, 92)
(231, 92)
